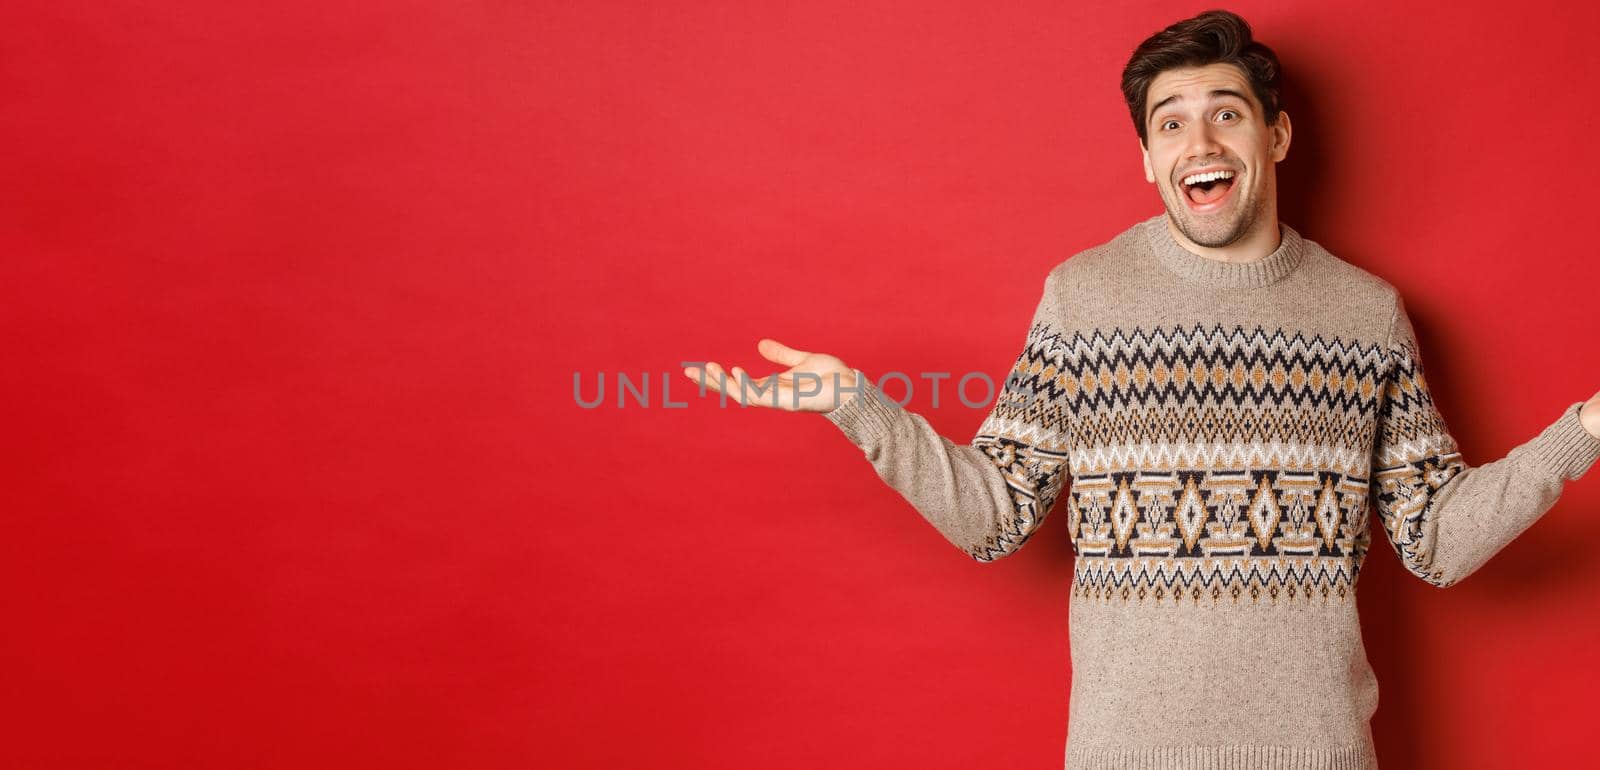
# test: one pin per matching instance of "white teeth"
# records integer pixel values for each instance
(1206, 177)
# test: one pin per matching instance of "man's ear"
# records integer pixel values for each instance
(1149, 173)
(1281, 132)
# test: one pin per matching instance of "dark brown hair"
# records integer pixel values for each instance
(1212, 37)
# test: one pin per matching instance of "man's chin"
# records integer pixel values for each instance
(1211, 230)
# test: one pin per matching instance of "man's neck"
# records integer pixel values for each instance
(1250, 248)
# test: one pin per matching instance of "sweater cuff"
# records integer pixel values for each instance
(1565, 447)
(868, 417)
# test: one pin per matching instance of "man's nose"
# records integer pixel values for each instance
(1202, 142)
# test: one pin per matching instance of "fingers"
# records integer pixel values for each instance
(779, 353)
(711, 376)
(766, 391)
(741, 377)
(728, 382)
(716, 378)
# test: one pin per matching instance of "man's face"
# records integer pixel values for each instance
(1205, 119)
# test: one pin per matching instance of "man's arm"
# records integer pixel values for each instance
(1444, 517)
(987, 497)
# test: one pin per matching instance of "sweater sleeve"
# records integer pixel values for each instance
(1443, 517)
(986, 497)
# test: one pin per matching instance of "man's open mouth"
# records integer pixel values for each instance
(1208, 187)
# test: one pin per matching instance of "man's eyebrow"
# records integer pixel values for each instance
(1215, 92)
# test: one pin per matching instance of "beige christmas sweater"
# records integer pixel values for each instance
(1223, 433)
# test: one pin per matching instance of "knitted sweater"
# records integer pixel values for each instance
(1226, 427)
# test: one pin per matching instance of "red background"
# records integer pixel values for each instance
(294, 294)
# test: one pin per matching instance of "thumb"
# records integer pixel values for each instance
(779, 353)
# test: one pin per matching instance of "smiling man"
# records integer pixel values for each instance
(1211, 148)
(1230, 401)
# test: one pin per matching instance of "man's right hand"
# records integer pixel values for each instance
(814, 382)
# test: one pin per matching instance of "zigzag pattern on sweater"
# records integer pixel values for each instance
(1234, 579)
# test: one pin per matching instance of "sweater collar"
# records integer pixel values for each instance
(1186, 264)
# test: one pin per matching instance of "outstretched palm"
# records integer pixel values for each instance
(812, 383)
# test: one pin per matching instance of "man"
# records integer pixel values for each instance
(1228, 398)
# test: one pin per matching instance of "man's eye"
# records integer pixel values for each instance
(1228, 112)
(1166, 125)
